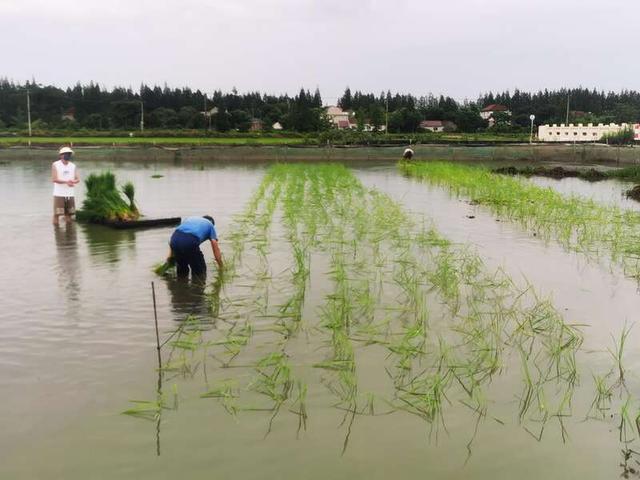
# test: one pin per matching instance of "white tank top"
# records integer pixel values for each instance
(65, 172)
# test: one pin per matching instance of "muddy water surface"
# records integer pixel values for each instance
(78, 345)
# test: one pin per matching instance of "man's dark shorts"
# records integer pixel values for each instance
(186, 251)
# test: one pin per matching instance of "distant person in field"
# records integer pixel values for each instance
(408, 154)
(185, 246)
(64, 176)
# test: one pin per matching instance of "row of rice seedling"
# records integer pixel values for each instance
(451, 268)
(189, 351)
(579, 224)
(278, 309)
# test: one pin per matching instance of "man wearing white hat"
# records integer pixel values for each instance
(64, 176)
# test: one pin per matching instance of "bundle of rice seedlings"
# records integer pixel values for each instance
(130, 192)
(104, 201)
(164, 269)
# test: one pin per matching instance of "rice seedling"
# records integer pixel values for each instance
(425, 395)
(129, 191)
(300, 405)
(618, 352)
(164, 269)
(411, 345)
(602, 400)
(626, 425)
(233, 342)
(273, 380)
(226, 392)
(145, 409)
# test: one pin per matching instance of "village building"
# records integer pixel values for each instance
(69, 115)
(210, 113)
(257, 125)
(437, 126)
(276, 126)
(368, 127)
(582, 133)
(487, 112)
(341, 119)
(346, 120)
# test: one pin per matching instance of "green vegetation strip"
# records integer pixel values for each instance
(579, 224)
(150, 141)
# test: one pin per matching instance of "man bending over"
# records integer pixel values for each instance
(185, 245)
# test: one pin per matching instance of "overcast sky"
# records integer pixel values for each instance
(453, 47)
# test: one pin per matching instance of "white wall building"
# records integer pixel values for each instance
(581, 133)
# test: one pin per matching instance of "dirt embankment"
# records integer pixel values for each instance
(634, 193)
(591, 174)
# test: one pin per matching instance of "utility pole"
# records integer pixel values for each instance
(386, 116)
(567, 120)
(29, 115)
(141, 116)
(207, 114)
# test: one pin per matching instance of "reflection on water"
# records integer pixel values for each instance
(188, 296)
(107, 243)
(66, 238)
(610, 192)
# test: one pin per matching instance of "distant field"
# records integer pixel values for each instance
(149, 141)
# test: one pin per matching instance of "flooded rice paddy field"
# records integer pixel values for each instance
(368, 325)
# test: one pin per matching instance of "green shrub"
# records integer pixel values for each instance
(626, 136)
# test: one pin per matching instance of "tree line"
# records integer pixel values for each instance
(94, 107)
(97, 108)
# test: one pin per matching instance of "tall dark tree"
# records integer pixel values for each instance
(345, 102)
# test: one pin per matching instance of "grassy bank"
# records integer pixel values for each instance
(194, 138)
(149, 141)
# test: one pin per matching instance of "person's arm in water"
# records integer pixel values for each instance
(216, 252)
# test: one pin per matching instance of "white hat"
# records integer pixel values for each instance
(65, 150)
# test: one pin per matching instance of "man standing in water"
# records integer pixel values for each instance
(64, 176)
(185, 245)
